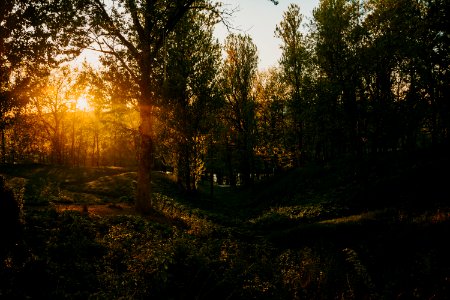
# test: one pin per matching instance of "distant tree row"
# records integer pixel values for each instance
(364, 77)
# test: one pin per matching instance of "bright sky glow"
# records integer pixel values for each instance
(258, 18)
(83, 104)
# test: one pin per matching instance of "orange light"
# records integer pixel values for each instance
(83, 104)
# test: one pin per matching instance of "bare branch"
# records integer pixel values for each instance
(121, 60)
(113, 30)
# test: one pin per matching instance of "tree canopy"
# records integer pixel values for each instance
(364, 77)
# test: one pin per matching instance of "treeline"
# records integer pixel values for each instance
(363, 77)
(65, 122)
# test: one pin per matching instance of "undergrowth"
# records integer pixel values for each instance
(339, 231)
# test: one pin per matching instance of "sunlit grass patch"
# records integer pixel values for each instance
(358, 218)
(197, 224)
(118, 185)
(85, 198)
(285, 215)
(44, 184)
(17, 182)
(394, 216)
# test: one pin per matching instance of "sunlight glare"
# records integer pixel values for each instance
(83, 104)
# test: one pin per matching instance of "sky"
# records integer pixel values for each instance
(258, 18)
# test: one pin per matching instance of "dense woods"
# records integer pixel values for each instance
(359, 81)
(366, 77)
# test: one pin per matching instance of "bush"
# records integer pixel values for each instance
(10, 215)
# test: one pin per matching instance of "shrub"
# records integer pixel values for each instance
(10, 215)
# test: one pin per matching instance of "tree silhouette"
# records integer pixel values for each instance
(238, 78)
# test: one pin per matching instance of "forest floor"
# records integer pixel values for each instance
(373, 228)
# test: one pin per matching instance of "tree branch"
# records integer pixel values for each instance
(134, 15)
(121, 60)
(179, 11)
(113, 30)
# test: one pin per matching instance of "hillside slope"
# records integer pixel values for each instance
(373, 228)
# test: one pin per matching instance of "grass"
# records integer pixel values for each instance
(45, 183)
(372, 229)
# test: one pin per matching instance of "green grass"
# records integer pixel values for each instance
(370, 229)
(45, 183)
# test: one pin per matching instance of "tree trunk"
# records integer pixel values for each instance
(229, 164)
(72, 147)
(211, 183)
(3, 145)
(247, 161)
(93, 152)
(143, 201)
(97, 158)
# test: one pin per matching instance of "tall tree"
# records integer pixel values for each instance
(190, 99)
(273, 148)
(396, 75)
(338, 37)
(134, 32)
(238, 76)
(34, 36)
(295, 60)
(436, 38)
(52, 99)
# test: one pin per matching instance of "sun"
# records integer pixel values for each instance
(83, 104)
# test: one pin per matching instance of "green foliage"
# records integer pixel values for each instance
(367, 221)
(302, 273)
(237, 82)
(190, 98)
(286, 216)
(43, 192)
(34, 37)
(137, 258)
(311, 242)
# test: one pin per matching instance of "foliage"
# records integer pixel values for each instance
(133, 34)
(367, 77)
(190, 98)
(296, 72)
(237, 80)
(34, 37)
(11, 210)
(310, 242)
(273, 148)
(341, 153)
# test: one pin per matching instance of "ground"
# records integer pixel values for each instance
(374, 228)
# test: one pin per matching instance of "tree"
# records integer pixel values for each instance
(238, 75)
(338, 37)
(113, 96)
(34, 36)
(52, 99)
(436, 41)
(134, 32)
(294, 63)
(190, 96)
(273, 148)
(398, 73)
